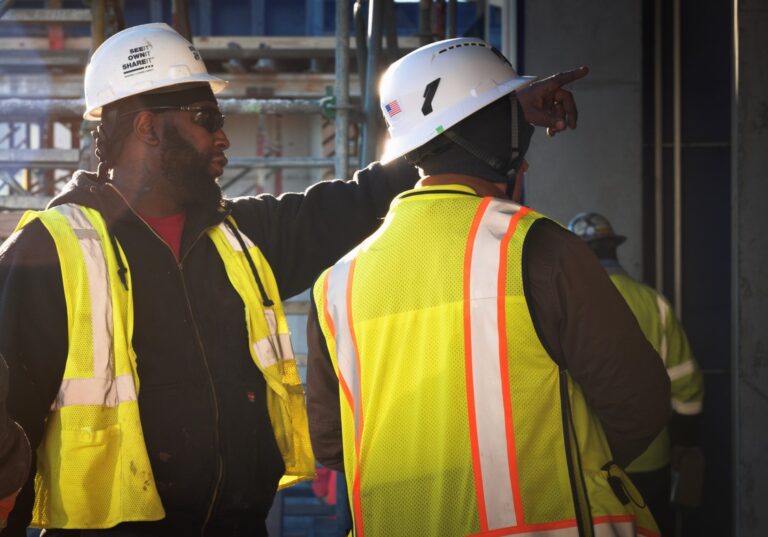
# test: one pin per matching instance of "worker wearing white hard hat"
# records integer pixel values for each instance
(456, 371)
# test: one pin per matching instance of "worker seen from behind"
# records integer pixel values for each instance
(459, 370)
(141, 314)
(678, 444)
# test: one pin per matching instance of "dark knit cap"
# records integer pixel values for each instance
(489, 128)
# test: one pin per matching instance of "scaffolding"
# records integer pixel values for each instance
(35, 106)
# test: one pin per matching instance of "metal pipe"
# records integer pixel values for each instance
(450, 19)
(658, 169)
(438, 26)
(7, 179)
(10, 108)
(677, 158)
(5, 6)
(46, 158)
(370, 106)
(180, 18)
(98, 34)
(281, 162)
(393, 50)
(24, 201)
(739, 472)
(361, 48)
(341, 89)
(425, 22)
(272, 106)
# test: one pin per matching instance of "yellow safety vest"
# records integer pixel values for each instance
(93, 470)
(662, 329)
(455, 420)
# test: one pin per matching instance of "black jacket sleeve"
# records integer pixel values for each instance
(33, 340)
(15, 454)
(323, 407)
(301, 234)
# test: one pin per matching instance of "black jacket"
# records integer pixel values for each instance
(202, 400)
(14, 449)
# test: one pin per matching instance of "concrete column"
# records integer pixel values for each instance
(749, 262)
(597, 167)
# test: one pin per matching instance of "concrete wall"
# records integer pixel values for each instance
(597, 166)
(750, 259)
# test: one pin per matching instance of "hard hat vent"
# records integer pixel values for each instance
(472, 44)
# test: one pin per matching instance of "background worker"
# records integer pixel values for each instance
(15, 454)
(141, 314)
(459, 368)
(651, 470)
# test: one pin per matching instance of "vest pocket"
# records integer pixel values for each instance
(289, 420)
(84, 477)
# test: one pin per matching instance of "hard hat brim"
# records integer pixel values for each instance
(217, 85)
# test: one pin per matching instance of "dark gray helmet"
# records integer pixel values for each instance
(592, 227)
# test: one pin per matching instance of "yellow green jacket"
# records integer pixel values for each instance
(662, 329)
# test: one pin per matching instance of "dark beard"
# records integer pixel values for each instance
(185, 175)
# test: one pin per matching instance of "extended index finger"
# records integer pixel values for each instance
(566, 77)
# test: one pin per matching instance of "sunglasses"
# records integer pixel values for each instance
(208, 118)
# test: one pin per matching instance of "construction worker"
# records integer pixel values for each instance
(141, 315)
(650, 472)
(15, 454)
(459, 371)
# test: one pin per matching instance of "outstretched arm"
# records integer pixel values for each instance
(302, 233)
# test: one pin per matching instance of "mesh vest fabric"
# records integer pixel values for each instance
(93, 469)
(271, 350)
(662, 329)
(409, 431)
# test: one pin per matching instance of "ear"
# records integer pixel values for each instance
(145, 127)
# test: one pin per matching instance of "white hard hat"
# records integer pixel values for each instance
(434, 87)
(140, 59)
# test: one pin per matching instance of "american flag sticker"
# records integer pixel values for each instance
(392, 108)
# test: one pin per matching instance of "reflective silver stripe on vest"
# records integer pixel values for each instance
(232, 240)
(275, 347)
(663, 312)
(492, 448)
(611, 528)
(108, 392)
(615, 528)
(681, 370)
(687, 408)
(271, 349)
(553, 532)
(103, 388)
(346, 353)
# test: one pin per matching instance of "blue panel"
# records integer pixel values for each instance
(270, 17)
(495, 25)
(285, 17)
